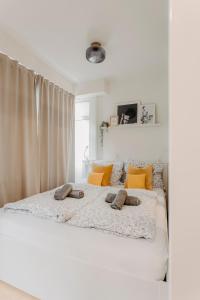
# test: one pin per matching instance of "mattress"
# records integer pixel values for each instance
(143, 259)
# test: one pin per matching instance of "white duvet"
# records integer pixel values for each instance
(44, 205)
(142, 258)
(131, 221)
(93, 212)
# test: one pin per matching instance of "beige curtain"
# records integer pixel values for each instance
(56, 134)
(19, 168)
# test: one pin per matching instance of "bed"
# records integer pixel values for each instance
(83, 263)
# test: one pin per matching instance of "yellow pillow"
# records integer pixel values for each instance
(106, 170)
(136, 181)
(148, 171)
(95, 178)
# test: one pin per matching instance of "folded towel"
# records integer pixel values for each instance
(119, 200)
(130, 200)
(76, 194)
(110, 197)
(63, 192)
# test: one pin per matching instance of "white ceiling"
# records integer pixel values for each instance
(133, 32)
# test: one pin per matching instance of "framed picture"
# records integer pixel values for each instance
(113, 121)
(147, 113)
(128, 113)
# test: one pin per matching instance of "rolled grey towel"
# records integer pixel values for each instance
(63, 192)
(119, 200)
(78, 194)
(110, 197)
(130, 200)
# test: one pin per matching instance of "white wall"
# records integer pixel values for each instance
(14, 47)
(91, 88)
(141, 143)
(185, 150)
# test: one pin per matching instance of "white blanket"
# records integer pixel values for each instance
(37, 240)
(131, 221)
(45, 206)
(93, 212)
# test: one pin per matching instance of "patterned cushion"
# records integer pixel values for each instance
(157, 171)
(116, 171)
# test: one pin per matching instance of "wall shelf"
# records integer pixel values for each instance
(134, 126)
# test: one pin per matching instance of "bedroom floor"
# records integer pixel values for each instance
(8, 292)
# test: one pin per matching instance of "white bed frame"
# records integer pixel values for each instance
(32, 270)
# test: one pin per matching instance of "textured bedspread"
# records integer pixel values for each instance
(131, 221)
(45, 206)
(93, 212)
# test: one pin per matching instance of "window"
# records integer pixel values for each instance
(85, 136)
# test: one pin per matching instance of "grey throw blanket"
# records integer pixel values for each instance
(130, 200)
(119, 200)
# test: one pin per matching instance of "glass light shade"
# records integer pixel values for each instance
(95, 53)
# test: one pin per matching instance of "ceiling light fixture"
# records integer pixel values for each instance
(95, 53)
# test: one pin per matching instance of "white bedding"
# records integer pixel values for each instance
(144, 259)
(93, 212)
(131, 221)
(44, 205)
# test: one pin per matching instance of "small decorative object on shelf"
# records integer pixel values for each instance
(113, 121)
(147, 113)
(104, 125)
(128, 113)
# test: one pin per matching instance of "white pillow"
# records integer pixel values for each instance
(116, 171)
